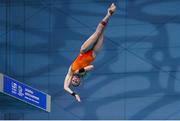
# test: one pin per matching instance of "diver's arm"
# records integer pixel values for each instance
(67, 82)
(88, 68)
(85, 69)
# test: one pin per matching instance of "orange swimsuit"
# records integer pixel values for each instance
(83, 60)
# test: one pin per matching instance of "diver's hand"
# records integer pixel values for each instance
(78, 98)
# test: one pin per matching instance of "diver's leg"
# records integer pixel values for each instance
(99, 43)
(92, 40)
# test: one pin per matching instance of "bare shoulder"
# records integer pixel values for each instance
(70, 70)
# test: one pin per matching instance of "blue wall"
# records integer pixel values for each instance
(136, 74)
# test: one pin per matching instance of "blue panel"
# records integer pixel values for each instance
(24, 93)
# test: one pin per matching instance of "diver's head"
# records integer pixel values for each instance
(77, 77)
(76, 81)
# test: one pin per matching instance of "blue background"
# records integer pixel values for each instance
(136, 74)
